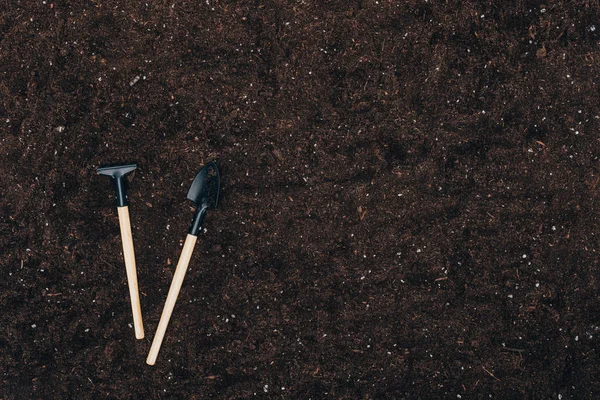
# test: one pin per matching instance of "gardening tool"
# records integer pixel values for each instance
(204, 192)
(118, 173)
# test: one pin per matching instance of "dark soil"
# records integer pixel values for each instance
(409, 198)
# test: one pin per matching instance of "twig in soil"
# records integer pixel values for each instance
(513, 350)
(107, 263)
(490, 374)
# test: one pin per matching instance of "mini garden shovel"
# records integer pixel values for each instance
(204, 192)
(118, 173)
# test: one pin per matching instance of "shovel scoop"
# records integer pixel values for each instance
(204, 192)
(118, 173)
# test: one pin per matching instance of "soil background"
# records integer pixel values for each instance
(409, 205)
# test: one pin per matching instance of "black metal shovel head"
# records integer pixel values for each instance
(206, 187)
(117, 171)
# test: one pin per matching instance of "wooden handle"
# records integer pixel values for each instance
(182, 266)
(129, 256)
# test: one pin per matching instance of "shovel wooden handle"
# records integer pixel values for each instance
(182, 266)
(129, 256)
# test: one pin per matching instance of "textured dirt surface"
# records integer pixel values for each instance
(409, 198)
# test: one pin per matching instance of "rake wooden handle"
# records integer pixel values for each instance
(129, 256)
(182, 266)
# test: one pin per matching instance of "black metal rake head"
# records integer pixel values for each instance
(118, 172)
